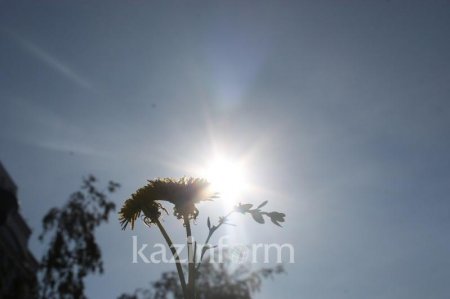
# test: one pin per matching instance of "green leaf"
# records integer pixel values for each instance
(243, 208)
(274, 221)
(262, 205)
(209, 223)
(276, 217)
(257, 216)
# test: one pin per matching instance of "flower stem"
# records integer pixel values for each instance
(175, 256)
(191, 258)
(210, 233)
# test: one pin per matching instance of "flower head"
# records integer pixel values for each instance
(142, 201)
(183, 193)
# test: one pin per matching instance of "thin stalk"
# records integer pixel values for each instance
(175, 256)
(191, 257)
(210, 233)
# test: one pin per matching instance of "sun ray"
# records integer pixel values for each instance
(228, 177)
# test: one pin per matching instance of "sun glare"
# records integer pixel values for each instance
(228, 177)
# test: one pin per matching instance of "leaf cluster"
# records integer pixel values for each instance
(73, 252)
(257, 214)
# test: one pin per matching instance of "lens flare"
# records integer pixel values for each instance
(227, 177)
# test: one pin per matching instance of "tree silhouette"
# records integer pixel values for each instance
(225, 280)
(73, 252)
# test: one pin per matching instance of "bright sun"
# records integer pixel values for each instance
(228, 177)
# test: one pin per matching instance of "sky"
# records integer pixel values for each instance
(340, 110)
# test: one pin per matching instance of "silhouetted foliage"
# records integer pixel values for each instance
(257, 214)
(73, 252)
(184, 194)
(225, 280)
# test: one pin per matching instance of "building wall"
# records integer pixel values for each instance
(18, 266)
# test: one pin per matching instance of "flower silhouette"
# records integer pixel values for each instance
(142, 201)
(183, 193)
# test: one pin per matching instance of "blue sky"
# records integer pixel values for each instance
(341, 109)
